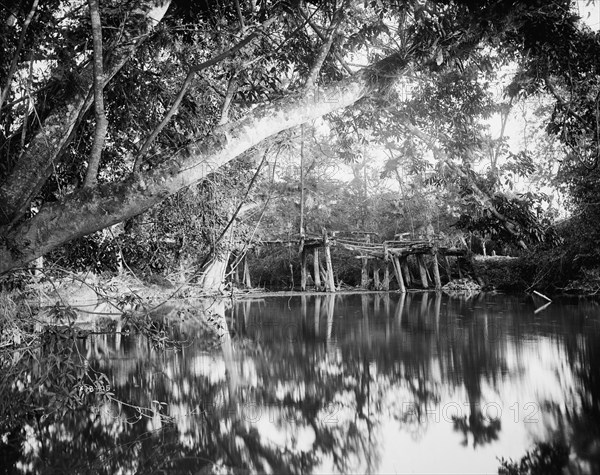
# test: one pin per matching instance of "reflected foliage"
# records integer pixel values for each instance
(543, 459)
(318, 383)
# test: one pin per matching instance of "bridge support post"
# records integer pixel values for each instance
(303, 270)
(247, 281)
(376, 282)
(316, 270)
(448, 268)
(329, 283)
(422, 271)
(436, 272)
(386, 276)
(398, 272)
(364, 273)
(405, 270)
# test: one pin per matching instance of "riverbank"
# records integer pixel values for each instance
(112, 295)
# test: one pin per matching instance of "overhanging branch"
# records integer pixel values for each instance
(89, 210)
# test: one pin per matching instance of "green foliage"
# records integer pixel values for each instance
(43, 374)
(95, 252)
(530, 227)
(504, 273)
(16, 281)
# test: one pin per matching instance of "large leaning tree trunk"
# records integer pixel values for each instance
(428, 43)
(89, 210)
(212, 274)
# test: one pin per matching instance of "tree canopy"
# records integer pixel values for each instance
(93, 132)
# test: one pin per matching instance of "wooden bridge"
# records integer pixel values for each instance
(396, 252)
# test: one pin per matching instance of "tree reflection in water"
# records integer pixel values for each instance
(324, 383)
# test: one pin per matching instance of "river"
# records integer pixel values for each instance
(360, 383)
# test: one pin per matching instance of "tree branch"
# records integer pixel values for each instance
(567, 108)
(324, 38)
(237, 210)
(231, 90)
(101, 121)
(37, 162)
(87, 211)
(15, 60)
(240, 16)
(186, 85)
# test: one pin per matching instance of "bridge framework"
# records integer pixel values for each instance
(394, 252)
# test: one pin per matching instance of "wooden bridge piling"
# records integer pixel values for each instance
(376, 279)
(398, 272)
(436, 272)
(386, 276)
(329, 283)
(405, 270)
(316, 270)
(422, 271)
(397, 251)
(364, 273)
(304, 270)
(448, 268)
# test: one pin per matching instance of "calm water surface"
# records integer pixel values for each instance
(385, 383)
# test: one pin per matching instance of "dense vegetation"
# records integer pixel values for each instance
(183, 122)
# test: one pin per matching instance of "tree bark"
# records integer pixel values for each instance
(89, 210)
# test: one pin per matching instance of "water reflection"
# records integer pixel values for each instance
(357, 383)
